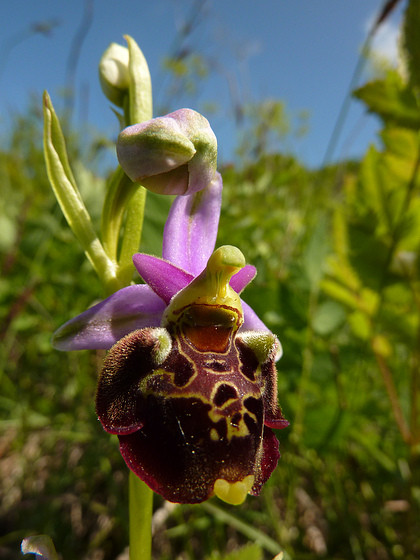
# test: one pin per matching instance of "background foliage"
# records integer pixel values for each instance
(338, 255)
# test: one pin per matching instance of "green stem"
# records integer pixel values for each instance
(119, 192)
(393, 397)
(132, 234)
(141, 508)
(123, 199)
(249, 531)
(127, 198)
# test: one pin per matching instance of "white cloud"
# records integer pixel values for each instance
(385, 41)
(386, 38)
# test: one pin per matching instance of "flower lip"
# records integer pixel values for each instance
(209, 327)
(204, 316)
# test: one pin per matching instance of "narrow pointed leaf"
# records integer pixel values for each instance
(392, 100)
(140, 84)
(68, 196)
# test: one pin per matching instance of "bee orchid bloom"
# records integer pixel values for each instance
(190, 384)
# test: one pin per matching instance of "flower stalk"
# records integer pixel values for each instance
(120, 191)
(141, 509)
(129, 197)
(123, 197)
(132, 235)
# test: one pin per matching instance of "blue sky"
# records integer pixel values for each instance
(302, 52)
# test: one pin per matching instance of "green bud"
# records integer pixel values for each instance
(174, 154)
(114, 74)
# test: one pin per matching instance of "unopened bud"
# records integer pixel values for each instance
(113, 73)
(174, 154)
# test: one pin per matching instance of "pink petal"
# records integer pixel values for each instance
(104, 324)
(242, 278)
(163, 277)
(251, 320)
(191, 228)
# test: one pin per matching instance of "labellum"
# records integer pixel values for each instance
(193, 401)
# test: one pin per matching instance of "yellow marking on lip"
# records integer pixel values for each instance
(239, 430)
(214, 435)
(215, 414)
(233, 492)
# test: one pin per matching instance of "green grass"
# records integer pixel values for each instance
(347, 485)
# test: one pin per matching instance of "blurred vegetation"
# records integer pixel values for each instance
(338, 258)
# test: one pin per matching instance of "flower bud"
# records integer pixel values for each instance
(174, 154)
(113, 73)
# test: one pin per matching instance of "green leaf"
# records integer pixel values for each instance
(340, 293)
(400, 142)
(120, 189)
(369, 250)
(411, 41)
(360, 325)
(409, 228)
(340, 233)
(141, 108)
(67, 194)
(315, 254)
(247, 552)
(132, 235)
(328, 317)
(371, 185)
(392, 100)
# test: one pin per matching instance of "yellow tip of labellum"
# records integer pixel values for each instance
(233, 493)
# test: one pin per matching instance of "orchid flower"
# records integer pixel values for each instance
(190, 383)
